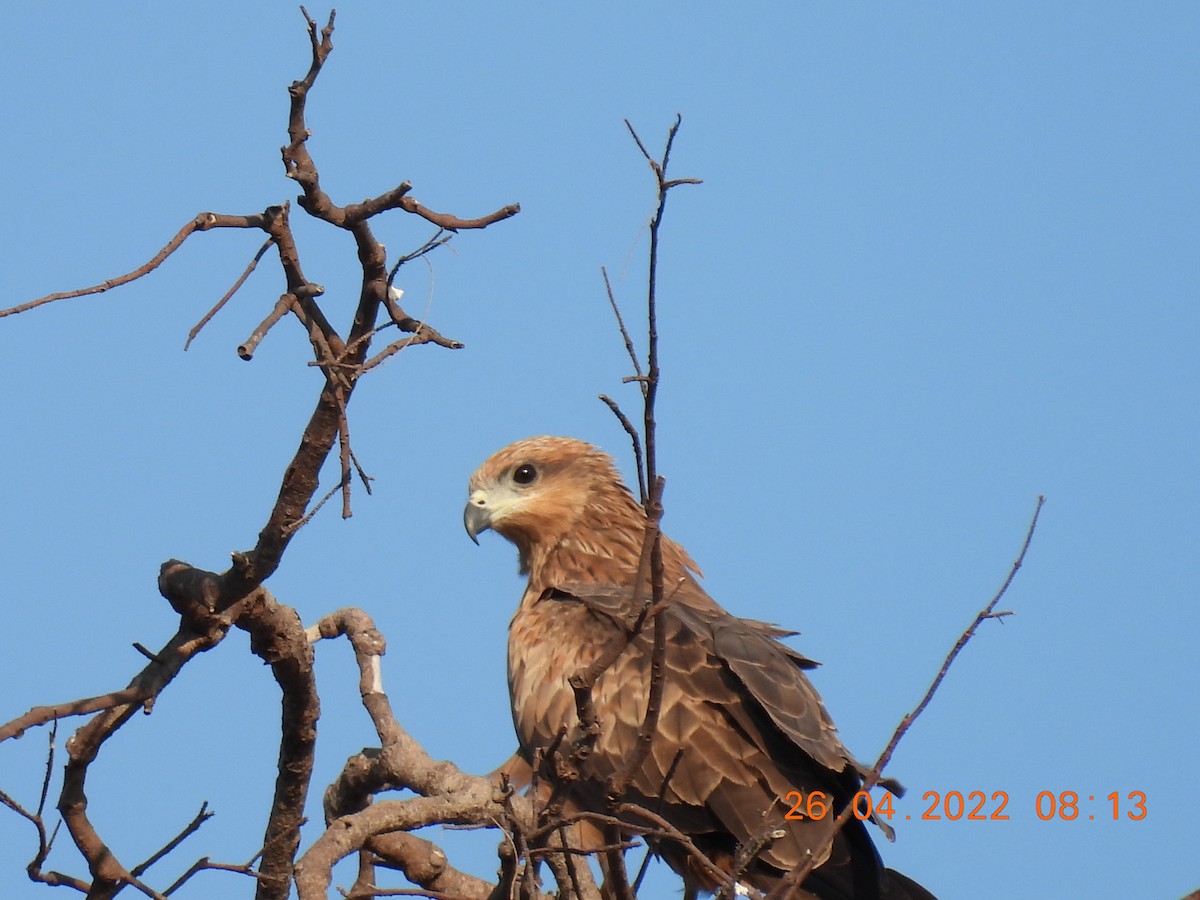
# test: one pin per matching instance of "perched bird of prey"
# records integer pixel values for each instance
(740, 727)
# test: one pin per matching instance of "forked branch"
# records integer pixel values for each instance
(207, 602)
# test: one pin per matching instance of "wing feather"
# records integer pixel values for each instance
(739, 727)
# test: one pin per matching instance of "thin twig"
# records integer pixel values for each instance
(793, 879)
(203, 222)
(233, 290)
(612, 301)
(631, 430)
(650, 385)
(362, 475)
(300, 523)
(985, 613)
(41, 807)
(344, 455)
(191, 828)
(440, 237)
(205, 864)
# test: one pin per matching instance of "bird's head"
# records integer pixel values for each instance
(537, 490)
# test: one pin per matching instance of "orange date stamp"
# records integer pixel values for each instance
(975, 806)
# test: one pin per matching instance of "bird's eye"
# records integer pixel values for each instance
(525, 474)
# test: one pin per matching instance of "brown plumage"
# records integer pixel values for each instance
(739, 721)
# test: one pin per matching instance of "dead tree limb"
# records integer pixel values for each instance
(202, 222)
(209, 603)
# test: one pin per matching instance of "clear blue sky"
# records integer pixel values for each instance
(944, 260)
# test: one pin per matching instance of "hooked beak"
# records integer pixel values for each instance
(476, 517)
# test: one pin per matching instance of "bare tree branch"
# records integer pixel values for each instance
(191, 828)
(208, 602)
(204, 864)
(631, 430)
(791, 882)
(202, 222)
(262, 251)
